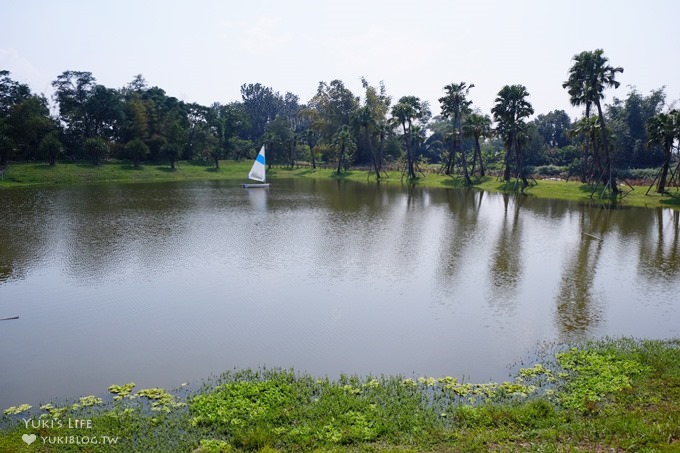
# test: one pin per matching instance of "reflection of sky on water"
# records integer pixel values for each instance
(166, 283)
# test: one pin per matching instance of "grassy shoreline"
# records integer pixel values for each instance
(609, 395)
(36, 174)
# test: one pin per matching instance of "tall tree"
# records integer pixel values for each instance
(664, 130)
(73, 90)
(11, 92)
(335, 104)
(586, 132)
(589, 76)
(50, 147)
(553, 128)
(477, 126)
(290, 112)
(310, 123)
(410, 113)
(261, 104)
(371, 121)
(136, 120)
(164, 114)
(510, 112)
(24, 120)
(281, 140)
(454, 106)
(202, 141)
(226, 122)
(627, 119)
(344, 143)
(28, 123)
(105, 112)
(172, 148)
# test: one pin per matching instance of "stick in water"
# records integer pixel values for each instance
(7, 319)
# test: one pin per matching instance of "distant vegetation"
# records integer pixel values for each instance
(140, 124)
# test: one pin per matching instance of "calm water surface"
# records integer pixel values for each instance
(169, 283)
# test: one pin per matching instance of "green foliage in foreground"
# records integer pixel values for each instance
(609, 395)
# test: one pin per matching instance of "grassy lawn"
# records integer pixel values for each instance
(612, 395)
(29, 174)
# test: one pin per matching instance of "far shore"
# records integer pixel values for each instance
(31, 174)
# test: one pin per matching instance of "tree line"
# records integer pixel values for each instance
(143, 124)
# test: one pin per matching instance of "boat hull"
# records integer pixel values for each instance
(255, 186)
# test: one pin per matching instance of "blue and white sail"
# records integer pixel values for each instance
(257, 172)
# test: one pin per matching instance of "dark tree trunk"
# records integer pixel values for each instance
(292, 153)
(374, 157)
(466, 175)
(611, 178)
(451, 160)
(661, 187)
(520, 166)
(411, 162)
(340, 159)
(506, 163)
(311, 151)
(478, 155)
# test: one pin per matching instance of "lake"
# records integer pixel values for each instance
(163, 284)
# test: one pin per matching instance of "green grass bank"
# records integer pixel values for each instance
(610, 395)
(32, 174)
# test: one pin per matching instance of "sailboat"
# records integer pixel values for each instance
(257, 172)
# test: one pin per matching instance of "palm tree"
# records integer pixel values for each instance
(344, 142)
(588, 129)
(405, 113)
(589, 76)
(454, 105)
(509, 112)
(477, 126)
(664, 129)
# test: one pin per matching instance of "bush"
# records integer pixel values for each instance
(549, 170)
(97, 149)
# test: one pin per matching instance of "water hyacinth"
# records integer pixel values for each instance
(15, 410)
(372, 384)
(592, 374)
(408, 382)
(536, 370)
(121, 391)
(88, 401)
(275, 410)
(161, 400)
(427, 381)
(53, 412)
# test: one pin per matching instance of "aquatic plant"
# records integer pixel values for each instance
(592, 374)
(121, 391)
(618, 395)
(160, 399)
(15, 410)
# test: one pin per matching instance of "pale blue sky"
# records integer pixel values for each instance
(204, 50)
